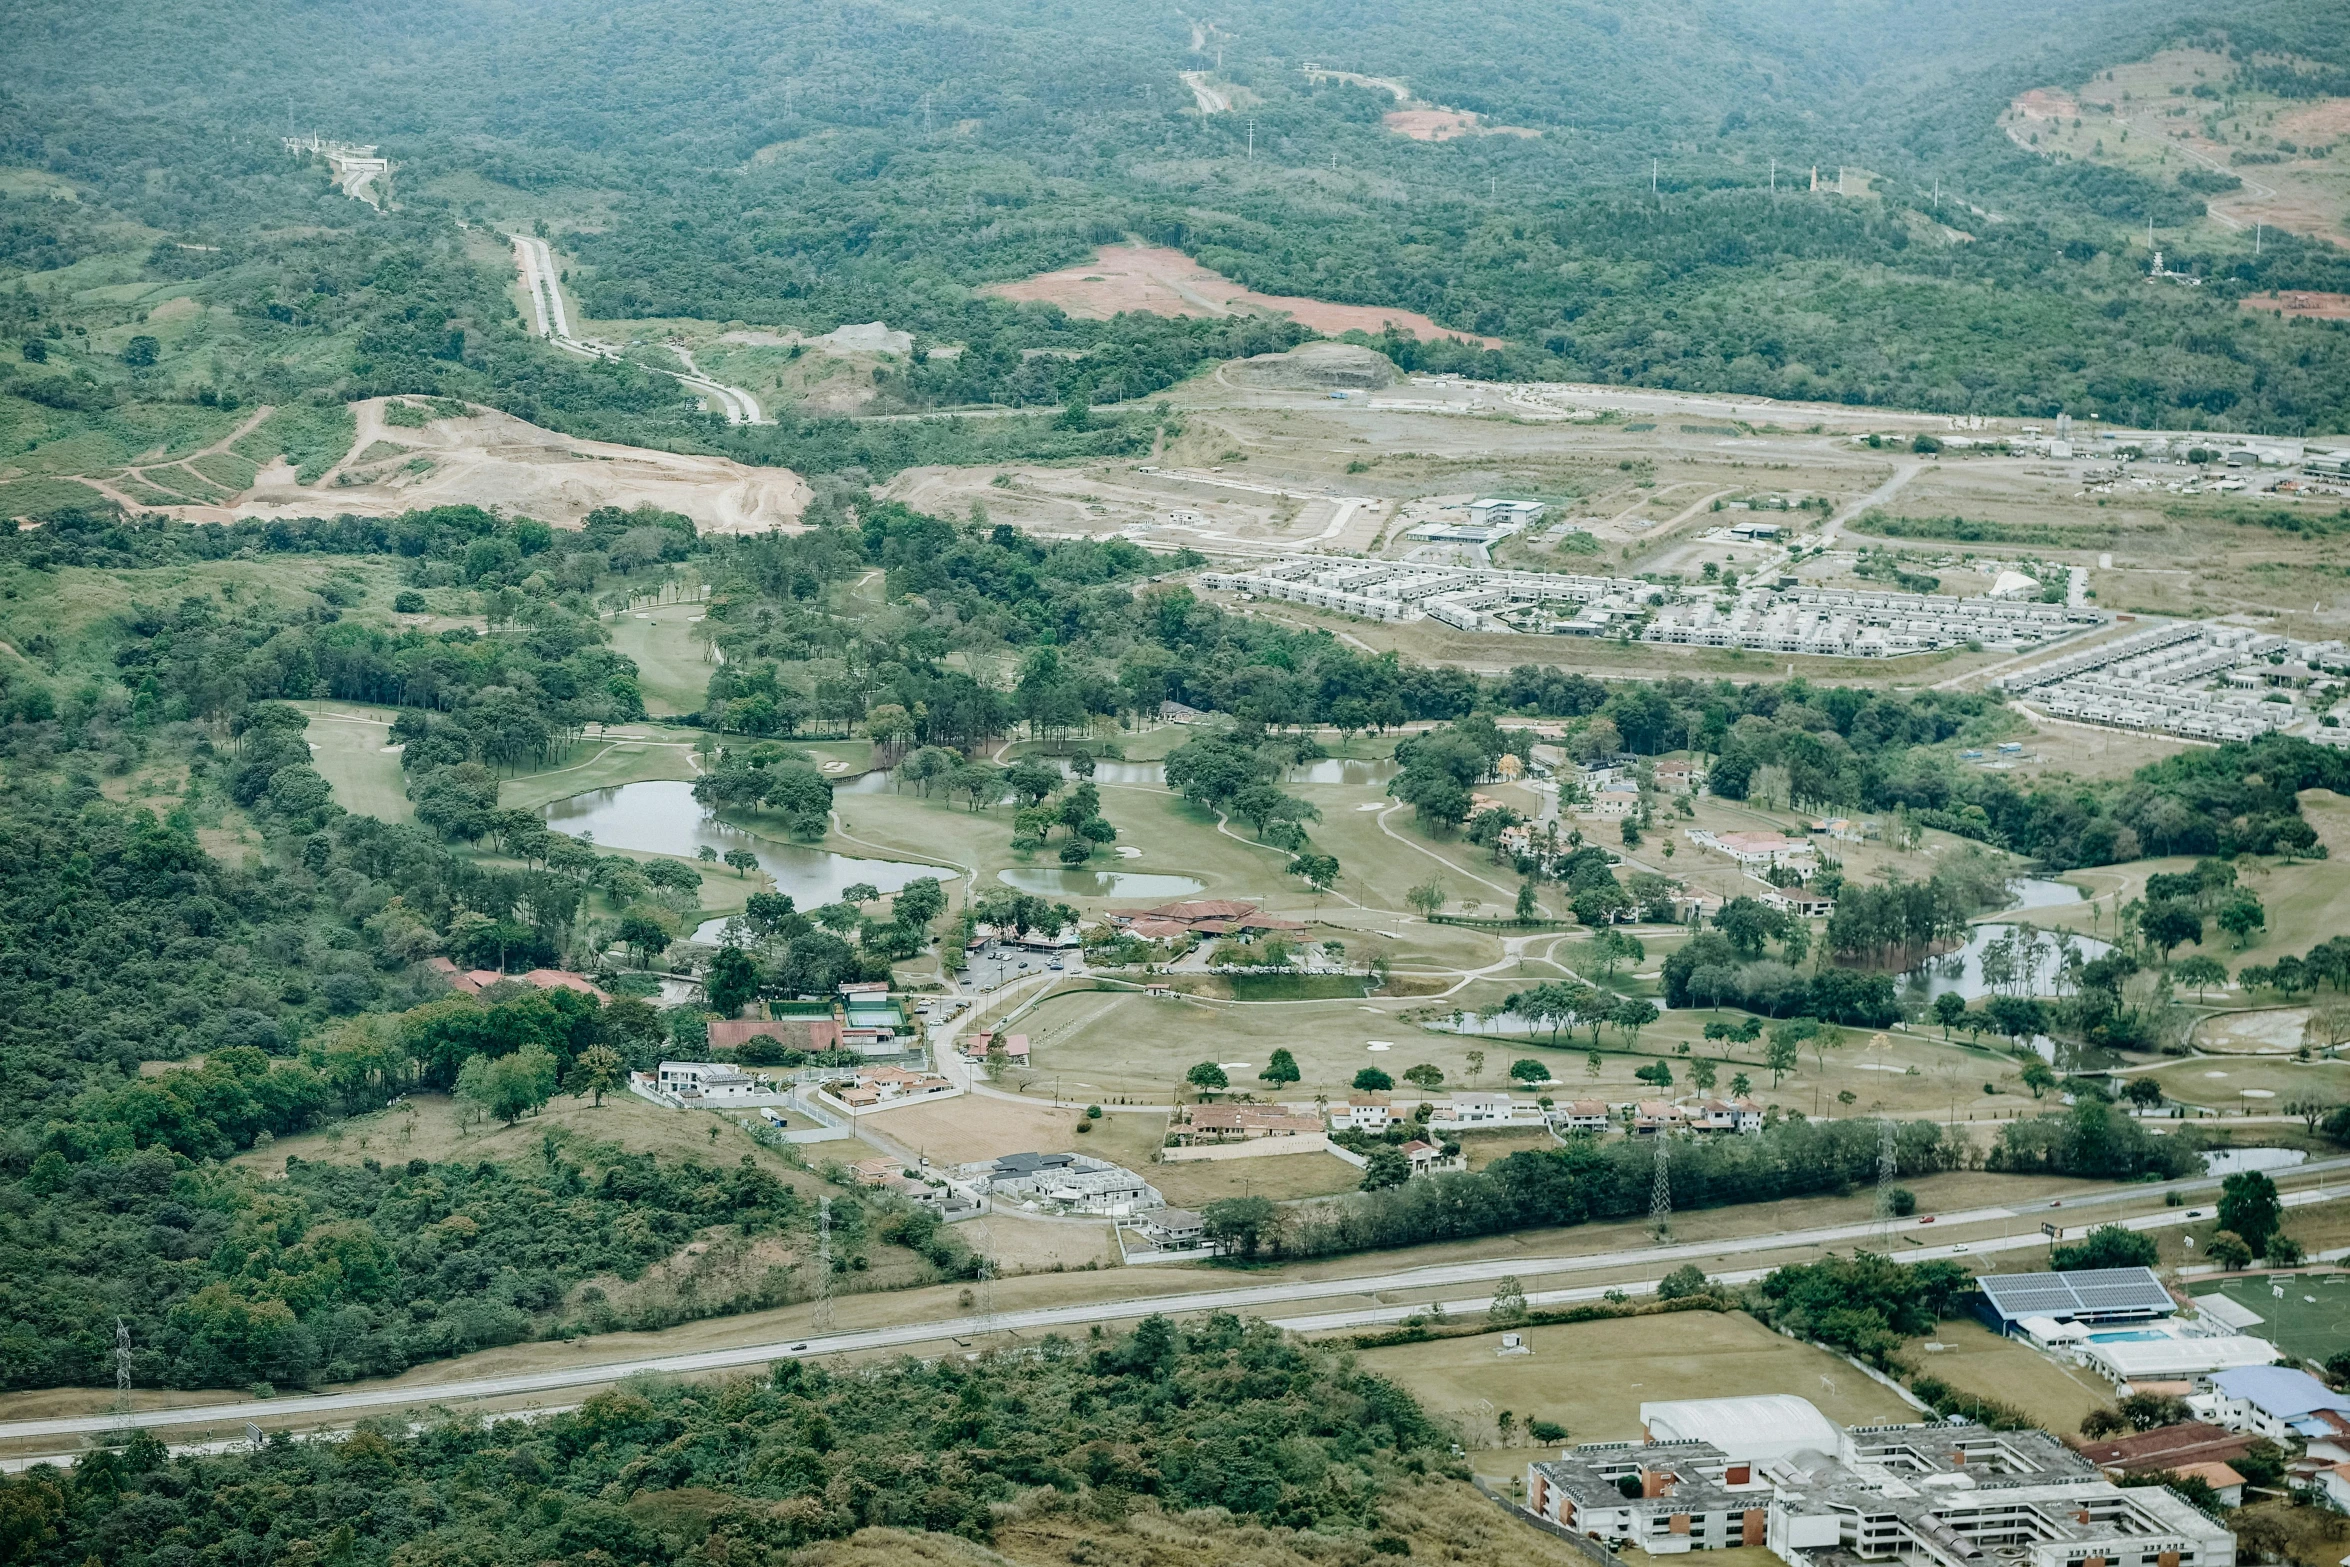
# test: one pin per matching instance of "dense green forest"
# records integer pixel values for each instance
(875, 164)
(1212, 1414)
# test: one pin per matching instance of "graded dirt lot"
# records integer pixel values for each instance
(2316, 307)
(492, 459)
(1167, 282)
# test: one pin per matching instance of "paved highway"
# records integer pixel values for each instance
(1254, 1299)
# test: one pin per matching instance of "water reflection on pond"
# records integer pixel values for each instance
(2032, 963)
(2032, 892)
(1056, 882)
(663, 817)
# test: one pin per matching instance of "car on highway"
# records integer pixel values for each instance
(796, 1348)
(2194, 1213)
(1927, 1219)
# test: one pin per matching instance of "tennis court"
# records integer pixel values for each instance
(2309, 1319)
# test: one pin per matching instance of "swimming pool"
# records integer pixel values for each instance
(2138, 1337)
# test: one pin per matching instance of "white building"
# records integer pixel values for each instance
(709, 1081)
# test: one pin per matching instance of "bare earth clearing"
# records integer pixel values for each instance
(495, 460)
(1169, 283)
(1444, 124)
(2318, 307)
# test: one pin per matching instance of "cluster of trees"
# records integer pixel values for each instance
(1865, 1304)
(775, 949)
(775, 777)
(1588, 1179)
(342, 1271)
(2091, 1139)
(1215, 1414)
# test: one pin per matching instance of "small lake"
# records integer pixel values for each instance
(1961, 968)
(663, 817)
(2031, 892)
(1060, 882)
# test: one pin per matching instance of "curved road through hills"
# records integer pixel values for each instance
(549, 319)
(350, 1403)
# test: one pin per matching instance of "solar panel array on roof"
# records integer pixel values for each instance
(2094, 1294)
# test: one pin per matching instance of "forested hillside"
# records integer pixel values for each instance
(808, 169)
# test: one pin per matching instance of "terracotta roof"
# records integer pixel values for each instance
(2218, 1476)
(473, 982)
(798, 1033)
(2168, 1447)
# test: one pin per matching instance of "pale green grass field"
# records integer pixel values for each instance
(347, 746)
(671, 669)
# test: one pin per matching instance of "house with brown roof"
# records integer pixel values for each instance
(1240, 1123)
(2166, 1448)
(1582, 1115)
(474, 981)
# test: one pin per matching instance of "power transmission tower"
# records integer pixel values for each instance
(983, 1282)
(1660, 1190)
(1888, 1168)
(122, 1373)
(821, 1320)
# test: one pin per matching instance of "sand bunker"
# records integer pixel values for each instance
(2321, 307)
(494, 459)
(1169, 283)
(2274, 1031)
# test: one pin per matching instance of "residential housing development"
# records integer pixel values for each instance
(2202, 680)
(1830, 622)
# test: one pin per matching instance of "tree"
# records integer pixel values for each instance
(1385, 1167)
(1425, 1075)
(732, 980)
(2144, 1092)
(1371, 1080)
(1528, 908)
(2038, 1078)
(1509, 1302)
(1031, 779)
(1244, 1225)
(140, 352)
(1281, 1068)
(598, 1071)
(1780, 1055)
(1632, 1014)
(2170, 925)
(1593, 1064)
(2250, 1208)
(1741, 1086)
(1949, 1007)
(2241, 916)
(1704, 1074)
(706, 853)
(743, 861)
(644, 936)
(2227, 1249)
(2107, 1246)
(510, 1086)
(1318, 871)
(2199, 973)
(2283, 1251)
(1529, 1071)
(1476, 1063)
(1427, 898)
(1206, 1078)
(1686, 1280)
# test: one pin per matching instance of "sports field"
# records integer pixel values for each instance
(2304, 1314)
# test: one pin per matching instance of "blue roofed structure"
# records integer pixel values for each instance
(2089, 1295)
(2280, 1403)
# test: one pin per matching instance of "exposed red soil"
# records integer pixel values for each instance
(2319, 307)
(1167, 282)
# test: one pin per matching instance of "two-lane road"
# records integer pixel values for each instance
(346, 1403)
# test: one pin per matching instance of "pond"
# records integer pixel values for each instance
(663, 817)
(1057, 882)
(1961, 968)
(2031, 892)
